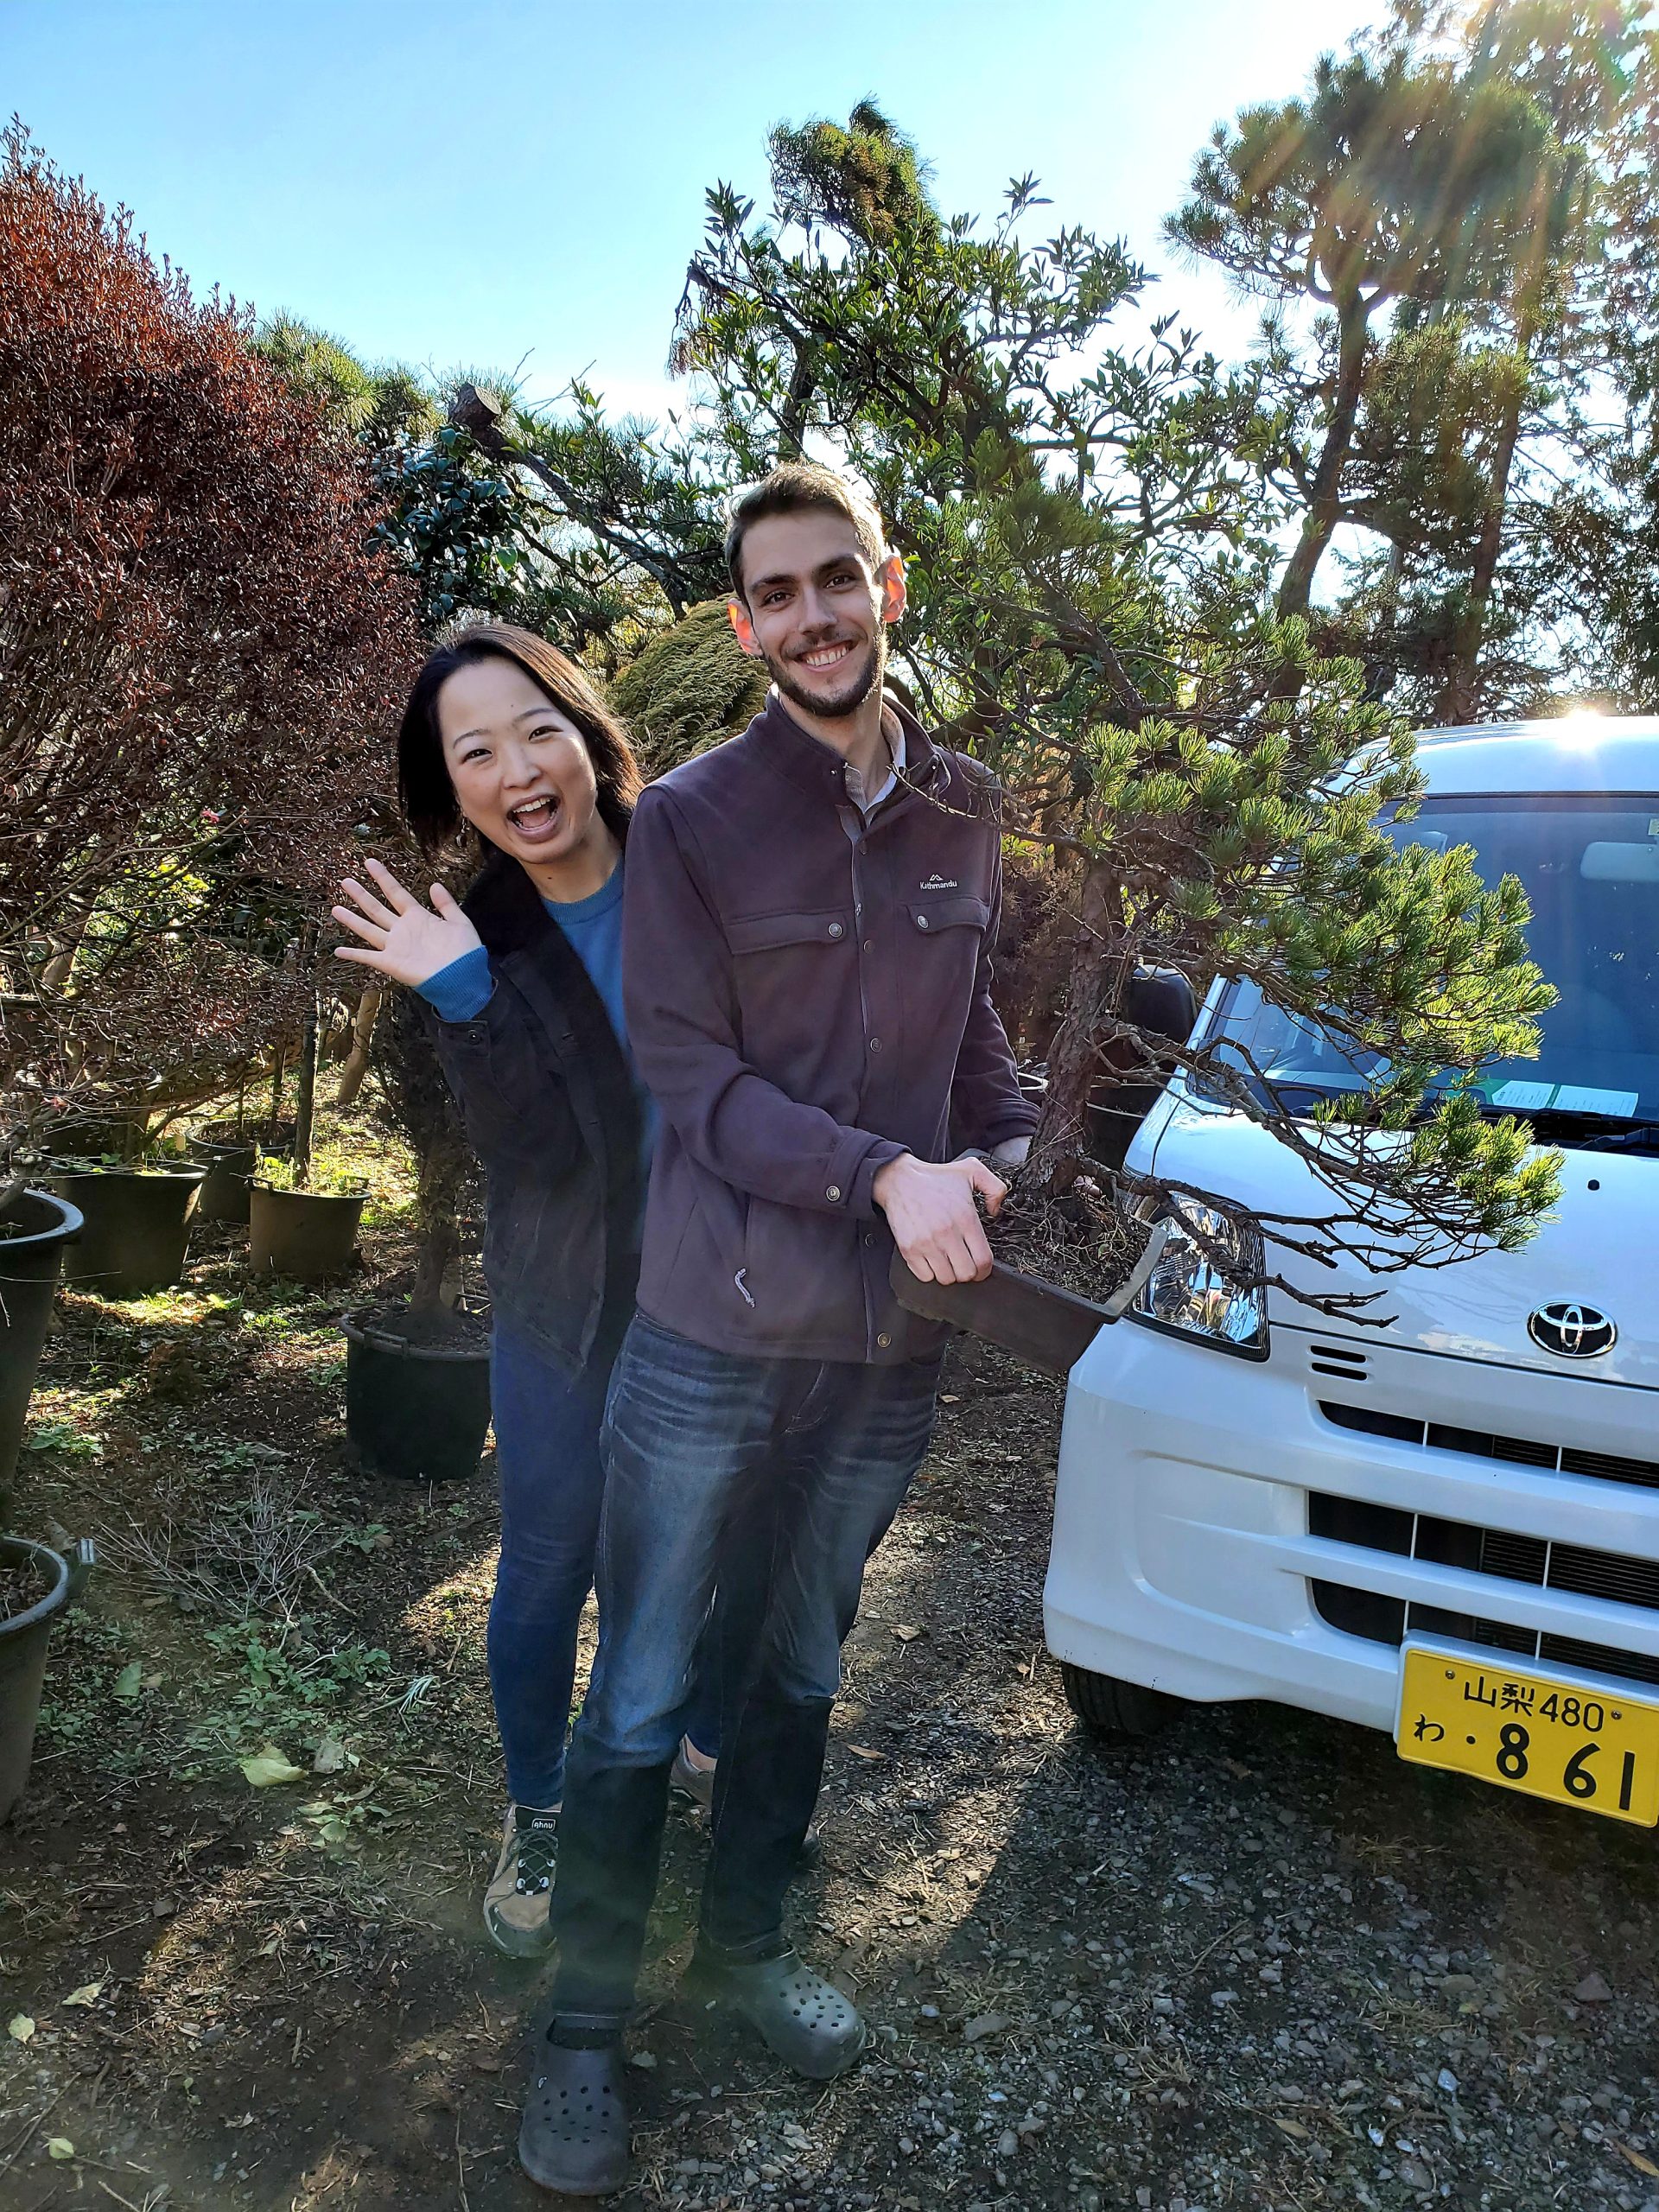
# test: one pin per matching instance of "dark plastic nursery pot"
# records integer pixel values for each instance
(29, 1260)
(309, 1234)
(23, 1639)
(137, 1226)
(417, 1412)
(230, 1164)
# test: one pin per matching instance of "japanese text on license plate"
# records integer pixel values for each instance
(1547, 1736)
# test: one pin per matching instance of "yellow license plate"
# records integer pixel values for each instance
(1530, 1732)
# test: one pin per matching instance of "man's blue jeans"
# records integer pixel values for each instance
(776, 1477)
(552, 1480)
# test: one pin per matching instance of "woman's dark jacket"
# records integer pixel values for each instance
(550, 1107)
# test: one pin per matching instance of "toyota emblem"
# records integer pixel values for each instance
(1572, 1330)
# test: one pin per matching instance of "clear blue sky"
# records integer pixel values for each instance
(468, 181)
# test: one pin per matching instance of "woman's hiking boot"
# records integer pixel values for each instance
(521, 1889)
(574, 2136)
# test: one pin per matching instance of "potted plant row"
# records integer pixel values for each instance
(36, 1583)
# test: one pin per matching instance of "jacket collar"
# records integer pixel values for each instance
(504, 905)
(818, 768)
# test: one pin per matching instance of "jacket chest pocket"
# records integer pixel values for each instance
(796, 976)
(948, 913)
(828, 926)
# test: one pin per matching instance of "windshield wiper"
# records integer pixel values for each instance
(1585, 1131)
(1633, 1136)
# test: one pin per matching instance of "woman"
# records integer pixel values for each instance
(506, 736)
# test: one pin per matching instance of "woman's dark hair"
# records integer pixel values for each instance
(423, 783)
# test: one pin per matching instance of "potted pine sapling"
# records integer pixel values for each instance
(418, 1371)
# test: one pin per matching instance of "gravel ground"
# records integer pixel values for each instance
(1254, 1963)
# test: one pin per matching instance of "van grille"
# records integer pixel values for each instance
(1496, 1553)
(1519, 1451)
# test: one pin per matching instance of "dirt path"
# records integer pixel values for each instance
(1257, 1964)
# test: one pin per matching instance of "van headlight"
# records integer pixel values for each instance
(1192, 1293)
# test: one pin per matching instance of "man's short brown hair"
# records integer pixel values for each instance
(793, 486)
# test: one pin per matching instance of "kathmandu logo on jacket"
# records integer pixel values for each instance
(941, 883)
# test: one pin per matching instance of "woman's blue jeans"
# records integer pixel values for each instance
(552, 1481)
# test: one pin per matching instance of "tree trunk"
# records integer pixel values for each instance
(305, 1098)
(443, 1167)
(1460, 699)
(1094, 990)
(802, 382)
(1325, 502)
(356, 1065)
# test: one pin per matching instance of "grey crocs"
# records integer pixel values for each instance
(798, 2015)
(574, 2137)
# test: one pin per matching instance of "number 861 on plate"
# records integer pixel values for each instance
(1546, 1735)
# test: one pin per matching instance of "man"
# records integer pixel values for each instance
(810, 912)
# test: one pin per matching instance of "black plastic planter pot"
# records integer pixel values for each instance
(137, 1226)
(309, 1234)
(28, 1276)
(230, 1164)
(418, 1412)
(23, 1639)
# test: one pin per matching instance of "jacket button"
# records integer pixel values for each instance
(921, 921)
(884, 1340)
(869, 944)
(833, 1193)
(875, 1044)
(870, 1239)
(836, 929)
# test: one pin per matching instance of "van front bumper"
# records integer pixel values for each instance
(1182, 1554)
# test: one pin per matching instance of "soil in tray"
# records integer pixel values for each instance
(23, 1583)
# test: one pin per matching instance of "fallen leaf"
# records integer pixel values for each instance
(127, 1681)
(863, 1751)
(60, 2147)
(86, 1995)
(1292, 2127)
(1642, 2166)
(270, 1765)
(21, 2027)
(905, 1633)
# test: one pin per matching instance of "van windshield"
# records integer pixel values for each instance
(1589, 863)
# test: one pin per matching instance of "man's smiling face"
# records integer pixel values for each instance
(815, 610)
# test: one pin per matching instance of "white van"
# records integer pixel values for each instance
(1448, 1527)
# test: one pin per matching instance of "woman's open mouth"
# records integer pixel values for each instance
(537, 819)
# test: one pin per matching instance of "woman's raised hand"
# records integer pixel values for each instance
(403, 939)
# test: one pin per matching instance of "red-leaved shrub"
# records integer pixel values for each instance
(199, 653)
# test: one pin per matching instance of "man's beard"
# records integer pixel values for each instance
(865, 679)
